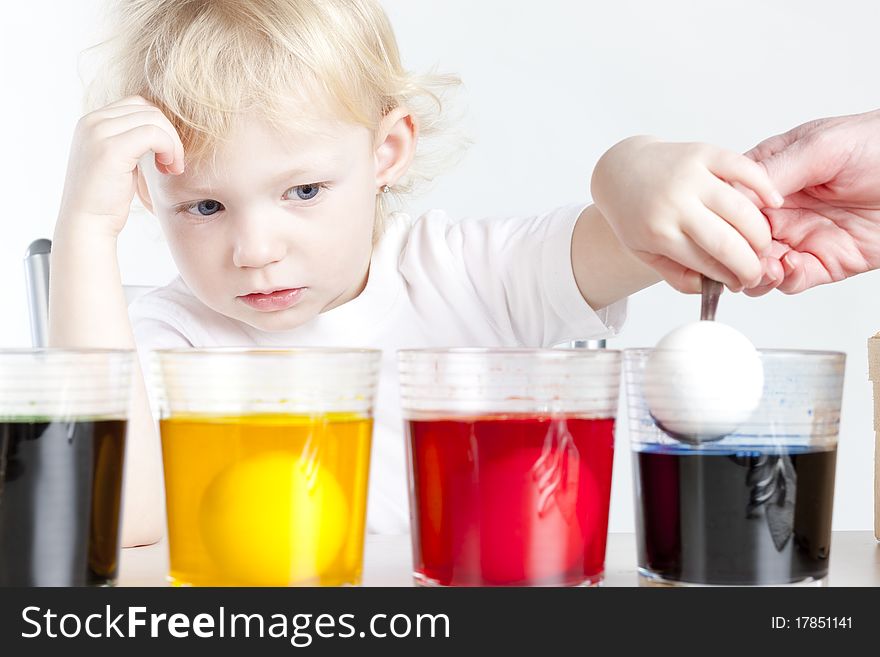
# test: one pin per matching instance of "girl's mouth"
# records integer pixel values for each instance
(273, 301)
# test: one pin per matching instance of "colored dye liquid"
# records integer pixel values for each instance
(266, 500)
(734, 517)
(510, 500)
(60, 490)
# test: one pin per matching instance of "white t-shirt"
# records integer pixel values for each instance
(433, 282)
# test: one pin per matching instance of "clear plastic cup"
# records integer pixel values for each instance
(510, 454)
(63, 422)
(754, 507)
(266, 455)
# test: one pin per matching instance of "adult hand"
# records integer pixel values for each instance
(828, 229)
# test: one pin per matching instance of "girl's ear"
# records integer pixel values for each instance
(142, 191)
(395, 148)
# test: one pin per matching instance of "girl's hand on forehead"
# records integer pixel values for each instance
(102, 170)
(675, 206)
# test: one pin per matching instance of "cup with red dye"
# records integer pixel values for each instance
(509, 454)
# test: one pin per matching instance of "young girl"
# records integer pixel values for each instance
(267, 137)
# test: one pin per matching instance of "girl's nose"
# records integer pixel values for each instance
(256, 244)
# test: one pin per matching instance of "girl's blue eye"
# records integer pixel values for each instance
(304, 192)
(205, 208)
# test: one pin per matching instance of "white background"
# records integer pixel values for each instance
(549, 86)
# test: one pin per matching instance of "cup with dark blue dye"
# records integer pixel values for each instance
(753, 507)
(63, 421)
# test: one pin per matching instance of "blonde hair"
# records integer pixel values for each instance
(205, 63)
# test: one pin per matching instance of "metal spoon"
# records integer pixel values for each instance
(711, 292)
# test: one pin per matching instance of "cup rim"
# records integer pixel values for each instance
(541, 352)
(267, 351)
(784, 353)
(69, 351)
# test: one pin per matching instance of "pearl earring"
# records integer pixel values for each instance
(385, 189)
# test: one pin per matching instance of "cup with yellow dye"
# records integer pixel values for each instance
(266, 455)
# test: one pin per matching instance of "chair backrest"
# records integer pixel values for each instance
(36, 280)
(36, 276)
(587, 344)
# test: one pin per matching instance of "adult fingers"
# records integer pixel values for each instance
(802, 272)
(771, 146)
(780, 142)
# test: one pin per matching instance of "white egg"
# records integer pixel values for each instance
(703, 380)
